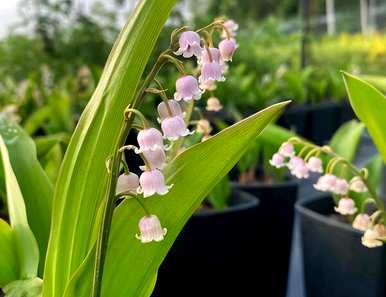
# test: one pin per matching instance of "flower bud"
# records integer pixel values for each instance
(277, 161)
(174, 127)
(189, 44)
(208, 85)
(203, 127)
(362, 222)
(227, 49)
(287, 149)
(152, 182)
(149, 139)
(213, 104)
(357, 185)
(150, 229)
(314, 164)
(127, 183)
(231, 27)
(187, 89)
(346, 206)
(174, 106)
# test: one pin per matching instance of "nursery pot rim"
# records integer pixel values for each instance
(301, 207)
(250, 201)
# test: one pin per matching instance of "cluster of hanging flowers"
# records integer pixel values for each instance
(309, 160)
(154, 143)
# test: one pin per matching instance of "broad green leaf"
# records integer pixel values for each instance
(375, 170)
(35, 186)
(9, 269)
(25, 243)
(45, 143)
(370, 106)
(82, 182)
(130, 265)
(376, 80)
(346, 139)
(275, 135)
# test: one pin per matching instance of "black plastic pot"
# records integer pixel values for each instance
(275, 225)
(296, 118)
(324, 121)
(336, 264)
(317, 122)
(215, 254)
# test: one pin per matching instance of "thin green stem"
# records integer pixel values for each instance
(177, 63)
(143, 206)
(125, 166)
(129, 111)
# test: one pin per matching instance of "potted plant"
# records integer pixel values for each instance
(255, 176)
(343, 237)
(76, 240)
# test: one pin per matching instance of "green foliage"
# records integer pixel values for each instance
(220, 194)
(26, 246)
(83, 178)
(369, 105)
(37, 190)
(375, 169)
(9, 268)
(346, 139)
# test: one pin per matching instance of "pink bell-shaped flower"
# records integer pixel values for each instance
(362, 222)
(346, 206)
(341, 187)
(209, 55)
(174, 127)
(294, 162)
(227, 48)
(211, 71)
(231, 26)
(150, 229)
(149, 139)
(357, 185)
(326, 183)
(300, 171)
(287, 149)
(152, 182)
(164, 113)
(277, 161)
(213, 104)
(314, 164)
(156, 159)
(189, 44)
(127, 183)
(187, 89)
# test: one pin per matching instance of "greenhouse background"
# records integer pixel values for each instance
(326, 56)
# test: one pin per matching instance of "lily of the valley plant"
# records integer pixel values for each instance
(356, 197)
(73, 239)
